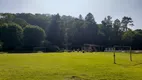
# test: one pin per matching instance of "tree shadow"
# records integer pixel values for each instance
(137, 64)
(128, 65)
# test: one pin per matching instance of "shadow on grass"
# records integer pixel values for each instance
(129, 65)
(137, 64)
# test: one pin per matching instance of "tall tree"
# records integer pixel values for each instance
(107, 30)
(117, 33)
(80, 17)
(78, 33)
(54, 34)
(91, 29)
(126, 21)
(90, 18)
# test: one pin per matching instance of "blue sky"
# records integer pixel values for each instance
(99, 8)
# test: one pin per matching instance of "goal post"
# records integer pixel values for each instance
(122, 49)
(126, 49)
(114, 55)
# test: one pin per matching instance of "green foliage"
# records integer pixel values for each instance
(90, 18)
(33, 36)
(11, 35)
(107, 30)
(117, 33)
(7, 17)
(41, 20)
(20, 21)
(126, 21)
(54, 32)
(137, 39)
(91, 31)
(128, 37)
(67, 31)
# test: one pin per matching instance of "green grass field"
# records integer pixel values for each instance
(70, 66)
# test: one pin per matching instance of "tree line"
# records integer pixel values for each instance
(25, 31)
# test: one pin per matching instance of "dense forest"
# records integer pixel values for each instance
(25, 31)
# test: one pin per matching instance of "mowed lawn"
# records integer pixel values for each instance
(70, 66)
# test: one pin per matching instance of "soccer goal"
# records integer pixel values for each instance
(125, 49)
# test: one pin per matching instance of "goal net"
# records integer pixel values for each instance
(125, 49)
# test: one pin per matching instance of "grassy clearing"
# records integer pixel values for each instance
(70, 66)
